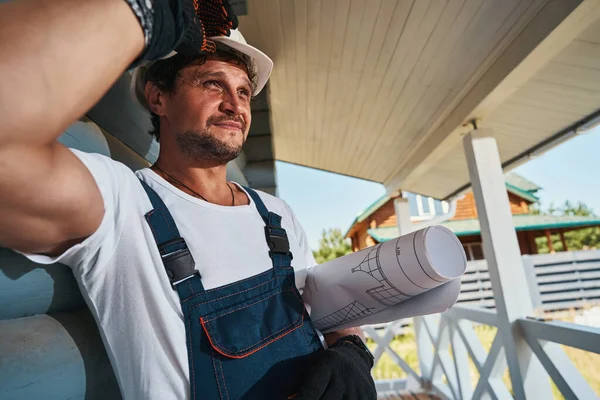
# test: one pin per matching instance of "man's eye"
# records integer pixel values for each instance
(212, 83)
(244, 93)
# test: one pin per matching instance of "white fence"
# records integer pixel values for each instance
(560, 281)
(447, 341)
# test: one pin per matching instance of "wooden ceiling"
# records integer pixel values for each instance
(359, 85)
(562, 92)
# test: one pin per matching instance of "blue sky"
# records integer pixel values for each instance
(325, 200)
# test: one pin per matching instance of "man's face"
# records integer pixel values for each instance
(209, 110)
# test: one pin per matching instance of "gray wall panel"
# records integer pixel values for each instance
(54, 357)
(27, 288)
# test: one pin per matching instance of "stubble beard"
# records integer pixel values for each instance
(202, 146)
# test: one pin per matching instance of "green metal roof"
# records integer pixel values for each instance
(520, 182)
(514, 183)
(371, 209)
(368, 211)
(527, 195)
(523, 222)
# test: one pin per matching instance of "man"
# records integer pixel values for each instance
(189, 277)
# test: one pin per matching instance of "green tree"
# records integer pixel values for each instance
(584, 238)
(331, 246)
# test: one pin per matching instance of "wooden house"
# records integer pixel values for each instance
(378, 223)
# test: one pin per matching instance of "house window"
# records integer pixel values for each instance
(412, 204)
(474, 251)
(423, 207)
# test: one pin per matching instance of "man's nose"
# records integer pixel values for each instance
(231, 105)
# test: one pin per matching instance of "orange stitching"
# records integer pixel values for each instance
(233, 294)
(304, 333)
(151, 228)
(268, 337)
(224, 382)
(216, 376)
(189, 334)
(248, 305)
(244, 280)
(253, 351)
(164, 217)
(208, 331)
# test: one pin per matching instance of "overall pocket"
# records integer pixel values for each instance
(259, 347)
(246, 329)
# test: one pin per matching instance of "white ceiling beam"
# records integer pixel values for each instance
(556, 24)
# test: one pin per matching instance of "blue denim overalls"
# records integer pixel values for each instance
(246, 340)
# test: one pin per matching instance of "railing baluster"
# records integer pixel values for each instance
(437, 334)
(562, 371)
(494, 366)
(383, 345)
(442, 356)
(461, 363)
(474, 346)
(424, 348)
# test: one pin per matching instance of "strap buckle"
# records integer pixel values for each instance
(178, 261)
(277, 241)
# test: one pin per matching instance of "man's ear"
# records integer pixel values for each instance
(155, 98)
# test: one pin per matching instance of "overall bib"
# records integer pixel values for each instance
(246, 340)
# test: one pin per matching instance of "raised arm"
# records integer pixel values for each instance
(58, 58)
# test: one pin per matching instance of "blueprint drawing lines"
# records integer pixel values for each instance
(386, 293)
(351, 312)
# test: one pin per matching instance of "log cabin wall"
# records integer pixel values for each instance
(466, 209)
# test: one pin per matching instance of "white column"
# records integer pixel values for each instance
(424, 347)
(402, 209)
(501, 249)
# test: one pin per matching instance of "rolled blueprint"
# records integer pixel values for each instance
(372, 285)
(433, 301)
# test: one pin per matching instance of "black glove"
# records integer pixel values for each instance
(208, 18)
(343, 371)
(182, 25)
(164, 23)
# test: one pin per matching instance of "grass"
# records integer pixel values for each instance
(587, 363)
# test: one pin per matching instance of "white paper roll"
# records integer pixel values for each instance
(369, 281)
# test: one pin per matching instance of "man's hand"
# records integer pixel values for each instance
(185, 26)
(343, 371)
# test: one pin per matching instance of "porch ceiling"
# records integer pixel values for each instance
(379, 89)
(563, 92)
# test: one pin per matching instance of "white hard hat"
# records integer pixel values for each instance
(260, 64)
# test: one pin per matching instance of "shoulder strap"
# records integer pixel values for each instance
(276, 236)
(176, 256)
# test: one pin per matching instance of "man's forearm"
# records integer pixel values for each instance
(58, 58)
(332, 337)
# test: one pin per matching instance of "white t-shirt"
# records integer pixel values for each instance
(123, 280)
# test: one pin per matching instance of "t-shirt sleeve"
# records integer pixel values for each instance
(300, 234)
(94, 252)
(305, 259)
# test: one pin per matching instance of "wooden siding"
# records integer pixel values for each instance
(466, 208)
(385, 215)
(360, 236)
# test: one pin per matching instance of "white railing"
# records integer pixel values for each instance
(445, 343)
